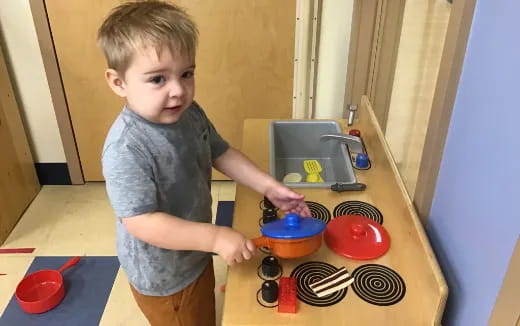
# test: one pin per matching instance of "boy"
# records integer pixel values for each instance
(157, 162)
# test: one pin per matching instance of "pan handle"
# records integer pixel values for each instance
(73, 261)
(261, 242)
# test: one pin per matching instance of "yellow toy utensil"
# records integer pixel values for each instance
(313, 169)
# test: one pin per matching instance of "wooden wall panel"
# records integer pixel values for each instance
(18, 181)
(244, 66)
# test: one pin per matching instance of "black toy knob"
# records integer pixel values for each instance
(270, 291)
(269, 215)
(268, 204)
(270, 266)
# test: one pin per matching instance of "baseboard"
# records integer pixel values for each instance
(53, 173)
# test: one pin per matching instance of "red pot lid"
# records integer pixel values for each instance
(356, 237)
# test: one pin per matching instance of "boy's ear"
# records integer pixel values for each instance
(116, 82)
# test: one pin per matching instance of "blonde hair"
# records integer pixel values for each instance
(138, 24)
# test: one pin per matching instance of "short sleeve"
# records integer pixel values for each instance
(129, 180)
(217, 144)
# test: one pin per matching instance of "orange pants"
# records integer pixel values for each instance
(193, 306)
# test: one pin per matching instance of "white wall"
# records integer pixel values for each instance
(336, 22)
(29, 80)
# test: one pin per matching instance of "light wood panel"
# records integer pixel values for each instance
(363, 34)
(410, 253)
(244, 66)
(421, 162)
(446, 88)
(418, 60)
(18, 180)
(507, 305)
(382, 73)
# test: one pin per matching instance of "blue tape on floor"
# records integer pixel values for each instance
(225, 213)
(87, 287)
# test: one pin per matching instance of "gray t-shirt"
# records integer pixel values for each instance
(150, 167)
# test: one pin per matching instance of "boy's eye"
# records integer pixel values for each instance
(188, 74)
(157, 79)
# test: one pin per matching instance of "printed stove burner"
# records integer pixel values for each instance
(378, 284)
(319, 211)
(355, 207)
(311, 272)
(264, 303)
(265, 250)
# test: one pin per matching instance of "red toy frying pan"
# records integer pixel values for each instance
(42, 290)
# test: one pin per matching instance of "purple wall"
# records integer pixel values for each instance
(475, 217)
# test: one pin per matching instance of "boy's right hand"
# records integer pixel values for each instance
(232, 246)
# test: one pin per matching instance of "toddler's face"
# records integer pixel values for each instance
(158, 87)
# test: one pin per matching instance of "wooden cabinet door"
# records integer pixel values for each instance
(244, 63)
(18, 181)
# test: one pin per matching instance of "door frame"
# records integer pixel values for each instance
(306, 57)
(306, 42)
(371, 67)
(59, 101)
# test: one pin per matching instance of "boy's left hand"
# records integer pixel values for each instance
(287, 200)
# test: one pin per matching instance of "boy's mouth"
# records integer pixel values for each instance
(173, 108)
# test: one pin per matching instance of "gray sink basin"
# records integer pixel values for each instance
(293, 141)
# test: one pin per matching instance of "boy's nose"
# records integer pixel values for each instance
(176, 89)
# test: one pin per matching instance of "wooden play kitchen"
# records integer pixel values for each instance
(403, 286)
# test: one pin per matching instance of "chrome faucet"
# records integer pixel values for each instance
(354, 143)
(352, 108)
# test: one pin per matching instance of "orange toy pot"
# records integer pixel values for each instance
(290, 248)
(292, 236)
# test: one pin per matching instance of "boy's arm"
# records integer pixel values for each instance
(170, 232)
(238, 167)
(132, 190)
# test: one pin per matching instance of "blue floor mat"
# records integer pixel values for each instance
(87, 287)
(225, 213)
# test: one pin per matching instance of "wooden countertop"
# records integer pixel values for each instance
(410, 254)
